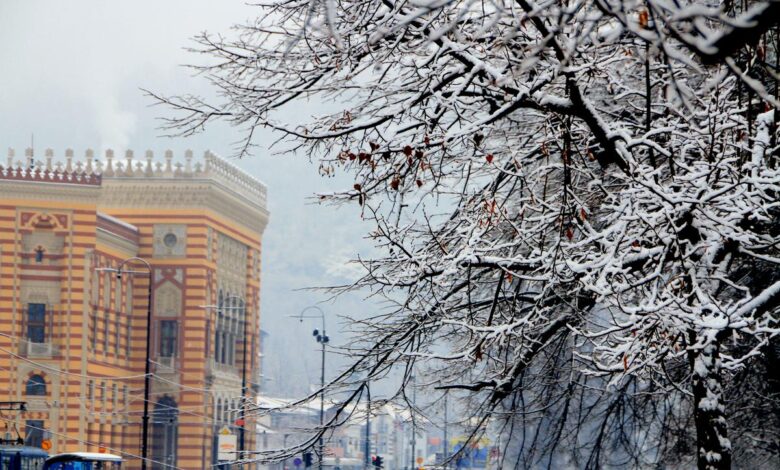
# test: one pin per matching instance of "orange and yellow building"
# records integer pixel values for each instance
(73, 334)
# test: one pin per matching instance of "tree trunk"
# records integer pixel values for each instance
(713, 448)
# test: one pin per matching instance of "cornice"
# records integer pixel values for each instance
(119, 243)
(42, 191)
(178, 193)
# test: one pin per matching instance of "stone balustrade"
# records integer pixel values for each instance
(92, 171)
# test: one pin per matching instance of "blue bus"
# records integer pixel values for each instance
(21, 458)
(83, 461)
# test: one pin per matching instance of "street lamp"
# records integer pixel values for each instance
(242, 312)
(145, 418)
(323, 339)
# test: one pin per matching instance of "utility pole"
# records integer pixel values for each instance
(446, 422)
(242, 429)
(147, 371)
(367, 456)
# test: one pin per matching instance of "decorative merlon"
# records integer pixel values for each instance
(92, 171)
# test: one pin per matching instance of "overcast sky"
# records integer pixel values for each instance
(71, 77)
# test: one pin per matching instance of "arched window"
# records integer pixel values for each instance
(218, 343)
(36, 386)
(165, 431)
(107, 290)
(129, 317)
(36, 323)
(169, 331)
(39, 254)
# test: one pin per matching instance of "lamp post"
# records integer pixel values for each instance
(242, 429)
(414, 428)
(145, 419)
(242, 312)
(323, 339)
(446, 423)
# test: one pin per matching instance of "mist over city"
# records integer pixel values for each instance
(400, 234)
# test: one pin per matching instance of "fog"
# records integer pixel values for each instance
(72, 78)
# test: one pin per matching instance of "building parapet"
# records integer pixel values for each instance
(92, 171)
(29, 171)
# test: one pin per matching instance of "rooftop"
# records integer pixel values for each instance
(91, 171)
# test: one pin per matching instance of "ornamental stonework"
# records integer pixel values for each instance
(170, 240)
(167, 300)
(231, 264)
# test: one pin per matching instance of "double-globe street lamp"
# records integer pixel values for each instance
(323, 339)
(119, 270)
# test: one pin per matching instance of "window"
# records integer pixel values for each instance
(105, 332)
(168, 334)
(217, 340)
(95, 287)
(117, 317)
(107, 290)
(118, 296)
(165, 431)
(39, 255)
(231, 353)
(223, 351)
(170, 240)
(228, 329)
(93, 336)
(117, 333)
(91, 396)
(129, 316)
(36, 323)
(36, 386)
(97, 465)
(33, 433)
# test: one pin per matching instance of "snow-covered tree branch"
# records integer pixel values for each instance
(576, 204)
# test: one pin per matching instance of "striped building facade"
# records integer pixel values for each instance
(73, 334)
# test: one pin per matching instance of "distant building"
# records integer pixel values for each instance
(391, 432)
(281, 426)
(73, 336)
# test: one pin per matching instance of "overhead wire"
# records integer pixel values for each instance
(113, 450)
(58, 371)
(135, 397)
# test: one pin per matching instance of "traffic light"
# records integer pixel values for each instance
(307, 459)
(377, 461)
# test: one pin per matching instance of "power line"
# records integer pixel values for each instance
(122, 411)
(81, 441)
(58, 371)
